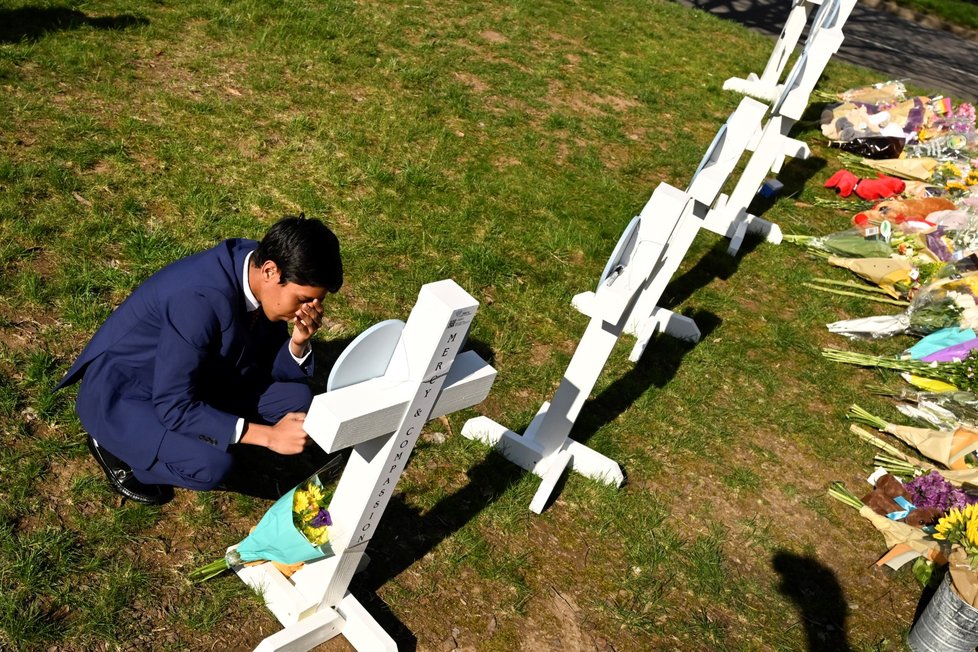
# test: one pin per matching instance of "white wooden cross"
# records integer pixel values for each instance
(647, 318)
(730, 216)
(716, 166)
(764, 85)
(546, 448)
(394, 378)
(831, 16)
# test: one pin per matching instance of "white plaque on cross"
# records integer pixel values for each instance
(399, 376)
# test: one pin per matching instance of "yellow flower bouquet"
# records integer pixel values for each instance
(294, 530)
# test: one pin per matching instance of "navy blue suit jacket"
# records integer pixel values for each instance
(181, 355)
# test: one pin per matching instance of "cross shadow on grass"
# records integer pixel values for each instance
(818, 597)
(715, 264)
(659, 363)
(31, 23)
(407, 536)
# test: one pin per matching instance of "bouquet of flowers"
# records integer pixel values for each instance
(851, 243)
(953, 407)
(958, 374)
(897, 276)
(294, 530)
(959, 529)
(933, 491)
(900, 537)
(954, 449)
(945, 303)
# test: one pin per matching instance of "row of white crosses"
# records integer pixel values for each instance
(395, 377)
(653, 245)
(787, 101)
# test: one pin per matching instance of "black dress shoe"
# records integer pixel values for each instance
(122, 479)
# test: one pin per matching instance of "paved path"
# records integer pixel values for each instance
(879, 40)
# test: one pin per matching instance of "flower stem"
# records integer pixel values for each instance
(873, 440)
(843, 495)
(896, 466)
(209, 571)
(860, 295)
(853, 284)
(860, 415)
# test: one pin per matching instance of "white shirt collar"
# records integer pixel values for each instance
(251, 303)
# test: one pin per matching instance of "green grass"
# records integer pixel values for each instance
(505, 146)
(956, 12)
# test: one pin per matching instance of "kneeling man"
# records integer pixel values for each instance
(199, 358)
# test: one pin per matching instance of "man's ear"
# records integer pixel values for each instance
(269, 271)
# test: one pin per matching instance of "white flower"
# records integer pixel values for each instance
(969, 317)
(962, 299)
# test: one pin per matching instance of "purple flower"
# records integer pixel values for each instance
(932, 490)
(322, 518)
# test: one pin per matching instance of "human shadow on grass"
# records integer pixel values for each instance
(818, 597)
(31, 23)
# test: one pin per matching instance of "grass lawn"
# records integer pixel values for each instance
(505, 146)
(956, 12)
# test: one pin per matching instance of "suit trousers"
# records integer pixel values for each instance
(195, 463)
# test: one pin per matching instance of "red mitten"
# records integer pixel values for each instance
(880, 188)
(843, 181)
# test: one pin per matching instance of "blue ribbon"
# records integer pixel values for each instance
(907, 508)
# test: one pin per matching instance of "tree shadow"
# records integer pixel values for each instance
(875, 39)
(764, 16)
(31, 23)
(818, 597)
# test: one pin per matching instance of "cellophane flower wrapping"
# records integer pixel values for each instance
(963, 405)
(945, 303)
(940, 339)
(294, 530)
(851, 243)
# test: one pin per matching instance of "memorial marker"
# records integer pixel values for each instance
(384, 388)
(764, 86)
(634, 267)
(730, 216)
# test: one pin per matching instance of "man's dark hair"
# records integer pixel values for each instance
(305, 251)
